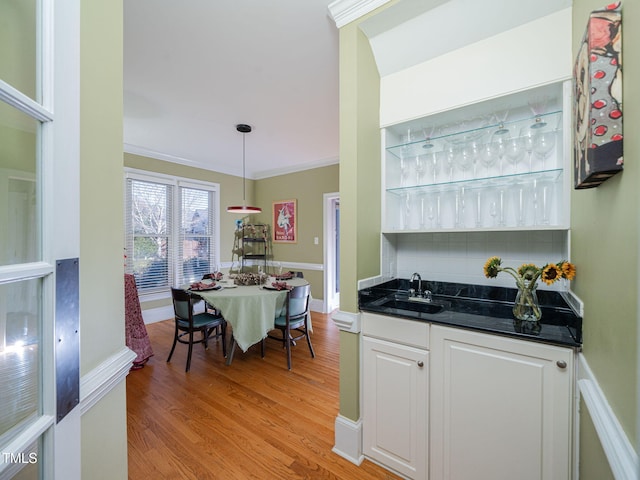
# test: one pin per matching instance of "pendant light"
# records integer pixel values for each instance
(244, 208)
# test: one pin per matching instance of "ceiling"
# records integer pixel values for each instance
(195, 69)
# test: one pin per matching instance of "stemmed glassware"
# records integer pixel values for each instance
(404, 171)
(514, 151)
(538, 106)
(421, 169)
(527, 135)
(487, 156)
(450, 154)
(543, 144)
(468, 157)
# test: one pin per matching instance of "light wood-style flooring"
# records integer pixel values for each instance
(253, 419)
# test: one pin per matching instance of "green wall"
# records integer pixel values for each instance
(103, 427)
(307, 188)
(604, 247)
(360, 196)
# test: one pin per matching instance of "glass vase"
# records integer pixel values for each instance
(526, 306)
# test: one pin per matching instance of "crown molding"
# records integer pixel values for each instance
(346, 11)
(219, 168)
(295, 168)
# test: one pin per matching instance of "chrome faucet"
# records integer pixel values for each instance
(412, 292)
(426, 295)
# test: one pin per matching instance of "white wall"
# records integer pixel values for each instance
(533, 54)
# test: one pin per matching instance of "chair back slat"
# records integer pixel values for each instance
(182, 305)
(298, 300)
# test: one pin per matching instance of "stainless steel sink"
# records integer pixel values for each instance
(412, 306)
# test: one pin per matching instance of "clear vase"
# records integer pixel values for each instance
(526, 306)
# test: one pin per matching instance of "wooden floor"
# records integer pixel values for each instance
(253, 419)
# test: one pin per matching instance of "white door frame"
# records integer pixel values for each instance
(331, 297)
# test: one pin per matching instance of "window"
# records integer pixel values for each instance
(27, 126)
(172, 235)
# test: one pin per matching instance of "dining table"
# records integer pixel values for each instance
(249, 309)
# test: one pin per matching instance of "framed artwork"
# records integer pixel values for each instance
(285, 221)
(597, 114)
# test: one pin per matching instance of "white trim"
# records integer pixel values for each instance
(348, 439)
(298, 265)
(102, 379)
(24, 271)
(574, 302)
(623, 460)
(370, 282)
(275, 172)
(329, 202)
(153, 315)
(316, 305)
(226, 169)
(346, 11)
(347, 321)
(22, 102)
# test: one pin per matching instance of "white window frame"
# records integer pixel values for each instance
(177, 183)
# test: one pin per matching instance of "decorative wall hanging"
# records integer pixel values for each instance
(598, 99)
(285, 221)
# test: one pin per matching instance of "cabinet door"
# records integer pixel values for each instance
(395, 406)
(500, 408)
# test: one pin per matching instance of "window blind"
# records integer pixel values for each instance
(171, 231)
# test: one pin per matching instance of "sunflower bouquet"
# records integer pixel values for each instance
(526, 276)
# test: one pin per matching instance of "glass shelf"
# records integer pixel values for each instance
(461, 133)
(490, 182)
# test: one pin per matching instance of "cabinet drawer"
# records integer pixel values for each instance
(400, 330)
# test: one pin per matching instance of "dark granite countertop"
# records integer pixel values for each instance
(477, 307)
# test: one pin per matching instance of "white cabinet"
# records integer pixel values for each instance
(447, 403)
(395, 394)
(501, 408)
(502, 164)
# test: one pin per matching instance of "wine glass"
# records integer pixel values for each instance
(487, 156)
(499, 141)
(421, 168)
(527, 135)
(514, 151)
(493, 211)
(431, 212)
(404, 171)
(450, 154)
(538, 106)
(544, 142)
(469, 156)
(478, 209)
(459, 207)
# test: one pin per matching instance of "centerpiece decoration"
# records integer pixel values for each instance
(526, 306)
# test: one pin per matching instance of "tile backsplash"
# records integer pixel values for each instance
(460, 256)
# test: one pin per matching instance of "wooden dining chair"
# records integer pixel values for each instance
(188, 323)
(294, 321)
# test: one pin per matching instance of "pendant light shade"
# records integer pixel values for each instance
(244, 208)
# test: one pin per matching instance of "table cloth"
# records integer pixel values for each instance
(251, 310)
(136, 337)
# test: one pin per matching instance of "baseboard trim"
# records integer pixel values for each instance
(348, 439)
(153, 315)
(102, 379)
(623, 460)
